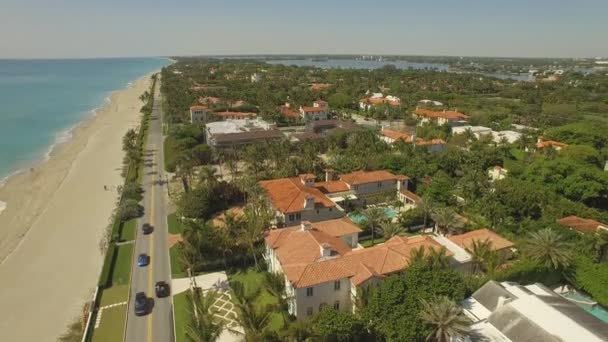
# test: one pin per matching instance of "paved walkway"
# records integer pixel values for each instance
(217, 281)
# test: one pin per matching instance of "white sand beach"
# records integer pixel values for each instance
(55, 216)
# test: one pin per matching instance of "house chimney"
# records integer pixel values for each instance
(325, 249)
(329, 175)
(305, 225)
(309, 202)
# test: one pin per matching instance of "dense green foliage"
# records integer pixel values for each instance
(393, 308)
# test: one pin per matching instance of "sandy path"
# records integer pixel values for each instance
(49, 270)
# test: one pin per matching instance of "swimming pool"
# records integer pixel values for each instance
(359, 218)
(584, 301)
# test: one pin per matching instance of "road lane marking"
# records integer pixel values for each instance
(151, 268)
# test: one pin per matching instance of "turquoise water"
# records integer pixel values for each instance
(40, 100)
(595, 310)
(360, 218)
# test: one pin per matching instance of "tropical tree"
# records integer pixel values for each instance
(275, 285)
(601, 246)
(437, 258)
(446, 319)
(389, 229)
(202, 326)
(251, 233)
(252, 318)
(444, 219)
(207, 175)
(481, 252)
(298, 331)
(427, 208)
(374, 217)
(548, 247)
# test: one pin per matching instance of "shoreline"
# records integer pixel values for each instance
(56, 215)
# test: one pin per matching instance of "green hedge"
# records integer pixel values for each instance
(591, 278)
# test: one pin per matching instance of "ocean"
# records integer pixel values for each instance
(42, 100)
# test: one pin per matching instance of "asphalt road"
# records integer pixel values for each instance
(157, 325)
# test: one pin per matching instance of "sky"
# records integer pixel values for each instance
(129, 28)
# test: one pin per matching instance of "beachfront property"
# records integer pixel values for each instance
(581, 225)
(391, 136)
(230, 133)
(318, 111)
(199, 114)
(452, 118)
(323, 263)
(322, 267)
(298, 199)
(510, 312)
(378, 99)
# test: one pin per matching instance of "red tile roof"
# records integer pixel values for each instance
(395, 135)
(421, 142)
(321, 102)
(288, 112)
(332, 186)
(410, 195)
(313, 109)
(364, 177)
(445, 114)
(195, 107)
(580, 224)
(466, 240)
(379, 100)
(288, 194)
(550, 143)
(319, 86)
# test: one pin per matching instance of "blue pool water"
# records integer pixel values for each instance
(595, 310)
(360, 217)
(42, 99)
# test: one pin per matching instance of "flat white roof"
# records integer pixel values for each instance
(237, 126)
(474, 129)
(460, 254)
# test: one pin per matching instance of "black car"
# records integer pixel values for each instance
(141, 304)
(146, 228)
(162, 289)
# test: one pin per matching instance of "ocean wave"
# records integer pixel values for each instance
(60, 138)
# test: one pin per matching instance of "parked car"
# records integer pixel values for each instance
(162, 289)
(146, 228)
(143, 260)
(141, 303)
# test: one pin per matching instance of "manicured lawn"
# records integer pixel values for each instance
(175, 227)
(253, 280)
(112, 324)
(177, 270)
(368, 242)
(129, 229)
(114, 294)
(182, 312)
(122, 267)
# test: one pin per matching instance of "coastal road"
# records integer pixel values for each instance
(157, 325)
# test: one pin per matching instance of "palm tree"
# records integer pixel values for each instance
(437, 258)
(480, 251)
(390, 229)
(251, 233)
(418, 255)
(601, 245)
(374, 217)
(275, 285)
(446, 319)
(298, 331)
(426, 207)
(208, 176)
(203, 326)
(548, 247)
(444, 219)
